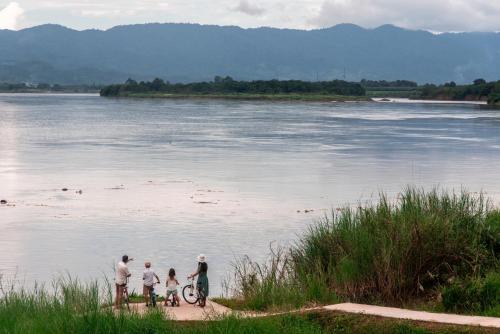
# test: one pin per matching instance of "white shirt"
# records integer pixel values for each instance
(171, 284)
(121, 273)
(148, 276)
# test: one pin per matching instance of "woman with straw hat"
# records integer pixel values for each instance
(202, 282)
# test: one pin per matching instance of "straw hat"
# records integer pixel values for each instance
(201, 258)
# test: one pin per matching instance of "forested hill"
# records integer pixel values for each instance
(191, 53)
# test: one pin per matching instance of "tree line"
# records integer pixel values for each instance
(45, 87)
(479, 90)
(227, 85)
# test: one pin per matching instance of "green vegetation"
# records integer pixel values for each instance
(419, 247)
(382, 88)
(46, 88)
(480, 90)
(475, 296)
(258, 97)
(77, 308)
(227, 87)
(390, 253)
(297, 90)
(494, 99)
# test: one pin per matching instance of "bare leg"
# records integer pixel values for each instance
(145, 292)
(119, 295)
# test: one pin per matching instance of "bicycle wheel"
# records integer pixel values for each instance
(190, 294)
(152, 294)
(126, 298)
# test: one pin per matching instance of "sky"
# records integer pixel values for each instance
(432, 15)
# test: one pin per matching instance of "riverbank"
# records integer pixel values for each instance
(250, 97)
(428, 250)
(77, 308)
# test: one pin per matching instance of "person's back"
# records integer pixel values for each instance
(172, 284)
(121, 276)
(149, 277)
(122, 273)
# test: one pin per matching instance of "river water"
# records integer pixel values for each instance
(165, 180)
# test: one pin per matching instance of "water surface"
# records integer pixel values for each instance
(164, 180)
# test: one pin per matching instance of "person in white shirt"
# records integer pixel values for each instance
(172, 283)
(148, 276)
(122, 274)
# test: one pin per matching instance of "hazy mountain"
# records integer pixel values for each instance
(190, 52)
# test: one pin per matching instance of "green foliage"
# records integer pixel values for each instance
(275, 285)
(44, 87)
(479, 90)
(73, 307)
(396, 251)
(390, 252)
(388, 84)
(494, 99)
(481, 295)
(229, 86)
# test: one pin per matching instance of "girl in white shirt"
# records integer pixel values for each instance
(172, 287)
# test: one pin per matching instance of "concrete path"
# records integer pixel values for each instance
(398, 313)
(214, 311)
(186, 311)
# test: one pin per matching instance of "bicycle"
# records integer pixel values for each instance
(125, 296)
(171, 300)
(192, 294)
(153, 295)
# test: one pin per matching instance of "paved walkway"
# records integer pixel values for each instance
(398, 313)
(186, 311)
(213, 311)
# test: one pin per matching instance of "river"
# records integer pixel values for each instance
(165, 180)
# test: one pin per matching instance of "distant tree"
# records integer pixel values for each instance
(157, 84)
(479, 82)
(450, 84)
(44, 86)
(131, 82)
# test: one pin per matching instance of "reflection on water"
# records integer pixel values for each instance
(165, 180)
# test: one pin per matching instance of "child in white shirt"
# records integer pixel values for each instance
(172, 287)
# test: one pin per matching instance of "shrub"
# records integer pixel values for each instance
(388, 252)
(396, 250)
(480, 295)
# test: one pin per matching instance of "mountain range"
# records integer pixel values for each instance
(192, 52)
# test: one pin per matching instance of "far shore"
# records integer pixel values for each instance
(251, 97)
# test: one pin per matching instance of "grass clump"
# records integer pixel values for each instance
(477, 296)
(391, 252)
(70, 307)
(275, 285)
(76, 308)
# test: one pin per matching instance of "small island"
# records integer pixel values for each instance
(228, 88)
(298, 90)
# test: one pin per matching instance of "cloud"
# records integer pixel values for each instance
(10, 15)
(443, 15)
(246, 7)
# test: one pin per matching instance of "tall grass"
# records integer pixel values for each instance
(70, 307)
(274, 283)
(389, 252)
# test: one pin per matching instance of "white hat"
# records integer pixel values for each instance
(201, 258)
